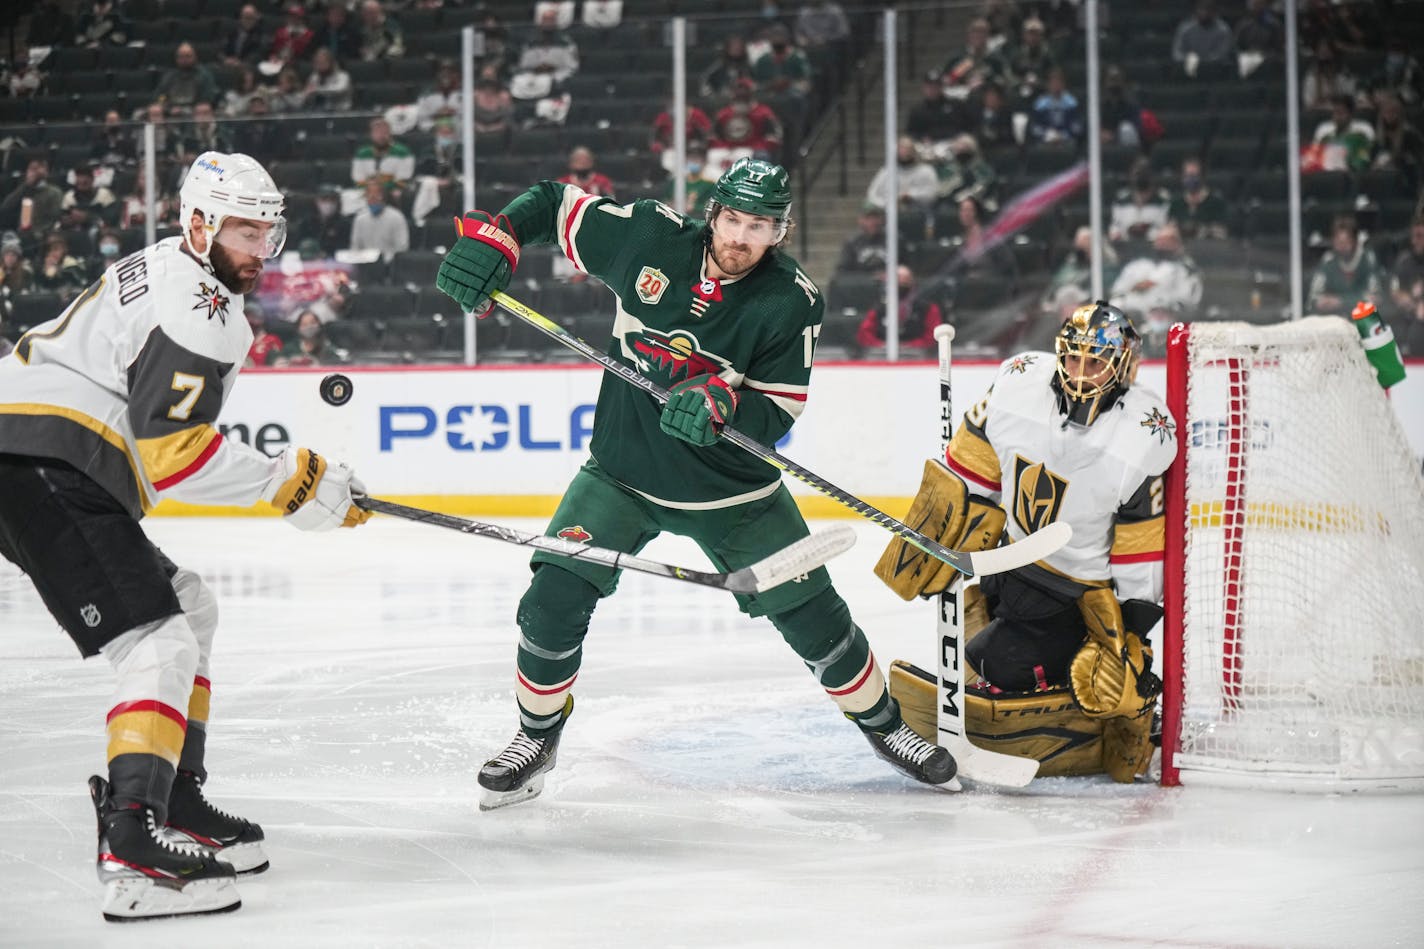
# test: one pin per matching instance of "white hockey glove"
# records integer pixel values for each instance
(315, 496)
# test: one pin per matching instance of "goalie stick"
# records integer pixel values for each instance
(786, 564)
(1034, 547)
(975, 763)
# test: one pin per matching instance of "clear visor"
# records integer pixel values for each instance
(261, 239)
(738, 227)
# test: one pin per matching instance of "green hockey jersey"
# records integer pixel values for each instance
(757, 331)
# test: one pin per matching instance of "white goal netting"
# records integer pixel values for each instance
(1299, 515)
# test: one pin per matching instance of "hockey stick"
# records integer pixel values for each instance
(975, 763)
(786, 564)
(1034, 547)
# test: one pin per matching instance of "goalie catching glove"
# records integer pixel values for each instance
(1111, 676)
(944, 511)
(697, 408)
(313, 495)
(481, 263)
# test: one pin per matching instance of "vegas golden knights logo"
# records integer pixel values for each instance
(1038, 494)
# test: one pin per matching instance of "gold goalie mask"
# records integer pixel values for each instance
(1098, 349)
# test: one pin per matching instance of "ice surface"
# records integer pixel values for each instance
(708, 794)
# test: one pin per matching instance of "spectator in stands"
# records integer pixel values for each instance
(1159, 288)
(1347, 274)
(258, 134)
(1198, 211)
(697, 186)
(186, 83)
(1400, 73)
(328, 86)
(1141, 207)
(86, 205)
(1260, 30)
(134, 212)
(493, 106)
(310, 346)
(103, 25)
(864, 251)
(917, 181)
(114, 145)
(438, 112)
(379, 226)
(721, 77)
(1398, 142)
(697, 128)
(23, 78)
(204, 134)
(1349, 142)
(1071, 284)
(51, 25)
(1028, 63)
(973, 251)
(552, 51)
(384, 159)
(16, 274)
(965, 174)
(918, 317)
(266, 346)
(1326, 79)
(1204, 46)
(583, 172)
(44, 201)
(247, 40)
(291, 39)
(822, 25)
(1335, 21)
(936, 117)
(1056, 117)
(326, 225)
(1120, 115)
(290, 95)
(785, 70)
(992, 122)
(498, 53)
(1406, 279)
(381, 36)
(58, 272)
(746, 126)
(337, 34)
(969, 68)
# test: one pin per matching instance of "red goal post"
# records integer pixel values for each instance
(1293, 642)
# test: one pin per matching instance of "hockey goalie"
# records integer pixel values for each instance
(1058, 666)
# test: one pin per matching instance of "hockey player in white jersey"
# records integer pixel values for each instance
(105, 410)
(1060, 646)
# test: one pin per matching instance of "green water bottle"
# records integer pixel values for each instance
(1380, 347)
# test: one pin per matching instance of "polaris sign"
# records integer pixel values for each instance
(488, 428)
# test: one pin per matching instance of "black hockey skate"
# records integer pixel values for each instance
(516, 774)
(912, 755)
(146, 876)
(194, 823)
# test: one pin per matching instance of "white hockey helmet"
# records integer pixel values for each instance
(221, 186)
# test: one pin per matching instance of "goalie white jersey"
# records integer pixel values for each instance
(1104, 480)
(127, 383)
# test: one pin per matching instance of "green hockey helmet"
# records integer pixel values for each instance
(755, 187)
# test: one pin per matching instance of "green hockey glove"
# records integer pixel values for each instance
(697, 408)
(481, 262)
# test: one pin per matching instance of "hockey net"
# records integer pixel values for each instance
(1293, 650)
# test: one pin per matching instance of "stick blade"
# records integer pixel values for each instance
(983, 766)
(1021, 553)
(798, 558)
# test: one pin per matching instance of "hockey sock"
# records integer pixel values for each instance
(200, 608)
(553, 619)
(196, 741)
(838, 654)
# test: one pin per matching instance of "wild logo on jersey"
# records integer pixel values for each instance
(212, 300)
(672, 357)
(1038, 494)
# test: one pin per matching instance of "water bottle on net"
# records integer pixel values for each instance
(1378, 340)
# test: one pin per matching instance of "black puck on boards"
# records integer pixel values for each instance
(336, 389)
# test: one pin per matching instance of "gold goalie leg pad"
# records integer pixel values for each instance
(946, 512)
(1045, 726)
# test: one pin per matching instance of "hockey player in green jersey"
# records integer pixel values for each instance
(716, 312)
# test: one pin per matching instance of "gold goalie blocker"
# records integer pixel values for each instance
(1100, 721)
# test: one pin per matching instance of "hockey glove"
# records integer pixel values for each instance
(481, 262)
(315, 496)
(697, 408)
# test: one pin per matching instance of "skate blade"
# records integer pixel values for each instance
(246, 859)
(494, 800)
(136, 898)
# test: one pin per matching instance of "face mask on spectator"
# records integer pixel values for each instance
(109, 248)
(375, 207)
(1191, 182)
(693, 167)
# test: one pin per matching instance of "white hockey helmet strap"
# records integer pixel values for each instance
(221, 186)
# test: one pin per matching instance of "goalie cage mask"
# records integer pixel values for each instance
(1097, 351)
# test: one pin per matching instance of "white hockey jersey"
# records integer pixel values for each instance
(127, 383)
(1104, 479)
